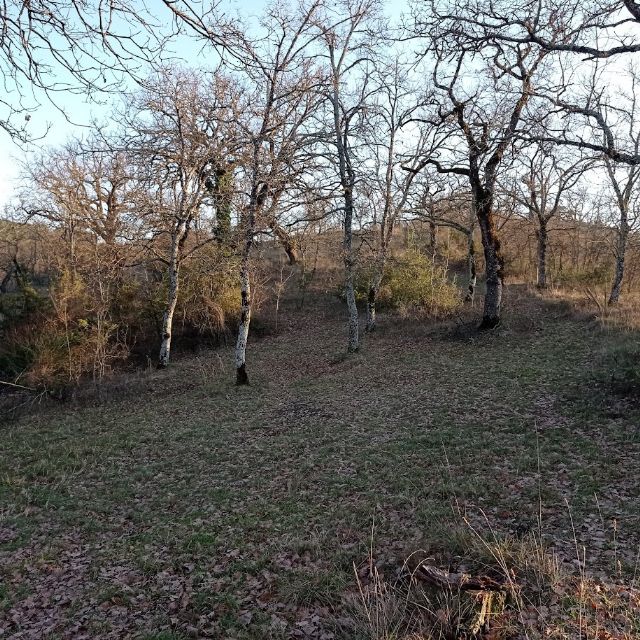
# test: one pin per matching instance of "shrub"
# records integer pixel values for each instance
(413, 282)
(209, 297)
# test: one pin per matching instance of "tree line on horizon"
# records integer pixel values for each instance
(317, 115)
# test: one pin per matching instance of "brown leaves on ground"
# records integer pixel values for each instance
(203, 510)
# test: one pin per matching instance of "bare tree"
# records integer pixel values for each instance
(349, 51)
(86, 188)
(69, 46)
(487, 84)
(399, 155)
(279, 72)
(183, 128)
(543, 179)
(565, 26)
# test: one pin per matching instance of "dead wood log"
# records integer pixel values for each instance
(462, 581)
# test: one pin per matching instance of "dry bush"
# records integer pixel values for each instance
(88, 323)
(413, 284)
(538, 598)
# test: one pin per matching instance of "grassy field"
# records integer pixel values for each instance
(187, 507)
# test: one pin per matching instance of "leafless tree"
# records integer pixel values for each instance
(279, 73)
(183, 128)
(85, 188)
(69, 46)
(351, 64)
(399, 153)
(487, 86)
(543, 178)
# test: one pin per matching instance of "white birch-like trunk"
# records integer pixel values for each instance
(172, 297)
(245, 319)
(621, 250)
(242, 377)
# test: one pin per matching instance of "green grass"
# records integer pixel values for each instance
(192, 505)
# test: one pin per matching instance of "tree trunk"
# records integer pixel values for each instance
(372, 297)
(471, 266)
(287, 241)
(349, 267)
(621, 249)
(494, 265)
(7, 278)
(172, 298)
(245, 312)
(542, 235)
(433, 239)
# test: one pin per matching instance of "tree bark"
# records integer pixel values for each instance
(542, 236)
(621, 249)
(349, 267)
(471, 266)
(173, 271)
(372, 298)
(494, 265)
(245, 309)
(287, 241)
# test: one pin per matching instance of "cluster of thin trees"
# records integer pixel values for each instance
(454, 114)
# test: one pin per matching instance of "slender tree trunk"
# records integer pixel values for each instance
(173, 271)
(349, 267)
(494, 264)
(621, 250)
(471, 266)
(245, 308)
(542, 235)
(433, 239)
(372, 297)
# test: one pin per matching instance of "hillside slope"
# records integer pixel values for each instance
(197, 509)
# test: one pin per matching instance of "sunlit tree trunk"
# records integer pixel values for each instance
(258, 195)
(173, 271)
(621, 250)
(245, 316)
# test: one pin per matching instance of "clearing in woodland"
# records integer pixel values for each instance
(308, 504)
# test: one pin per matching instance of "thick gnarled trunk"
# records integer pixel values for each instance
(494, 266)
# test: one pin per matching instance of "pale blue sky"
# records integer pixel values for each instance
(80, 113)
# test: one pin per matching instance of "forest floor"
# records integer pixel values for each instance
(187, 507)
